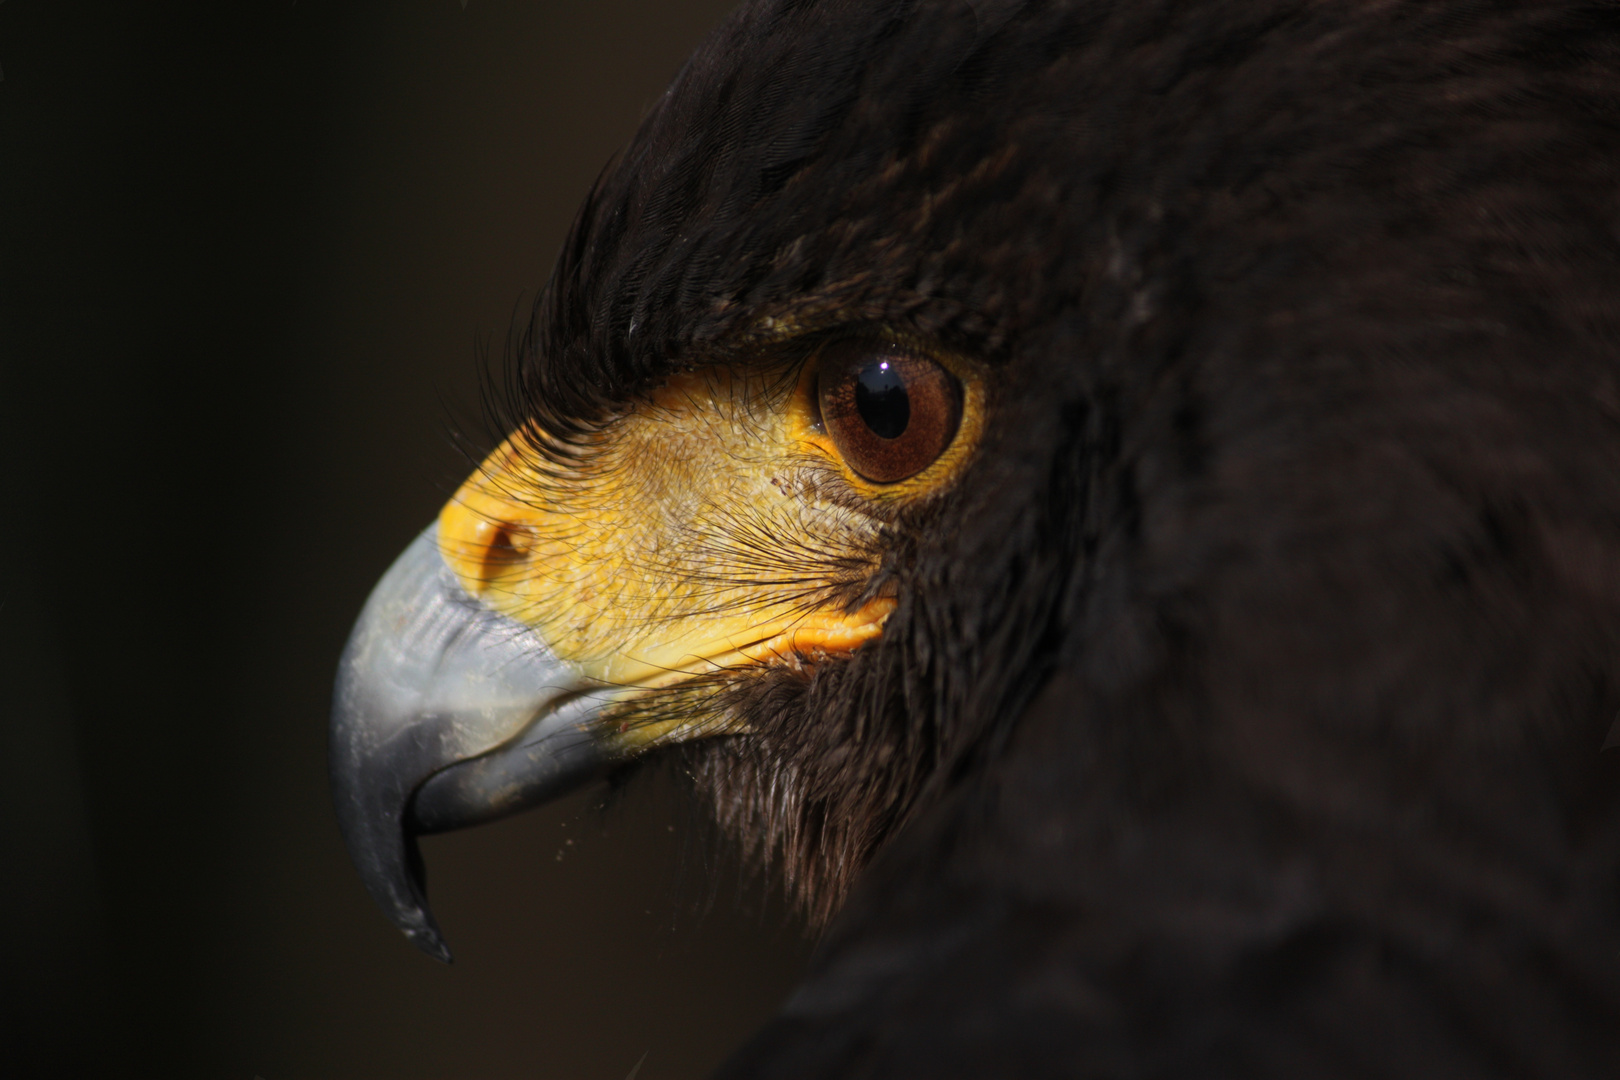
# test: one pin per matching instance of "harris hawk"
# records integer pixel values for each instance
(1118, 502)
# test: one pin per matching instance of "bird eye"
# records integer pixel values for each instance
(889, 411)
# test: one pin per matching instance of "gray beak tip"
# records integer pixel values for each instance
(430, 941)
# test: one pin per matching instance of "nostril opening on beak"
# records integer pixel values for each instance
(488, 551)
(508, 547)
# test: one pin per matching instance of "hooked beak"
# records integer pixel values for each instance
(446, 714)
(566, 615)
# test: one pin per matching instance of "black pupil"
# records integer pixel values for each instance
(881, 399)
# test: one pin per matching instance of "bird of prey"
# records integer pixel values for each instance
(1118, 501)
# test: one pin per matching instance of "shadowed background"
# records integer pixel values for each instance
(249, 257)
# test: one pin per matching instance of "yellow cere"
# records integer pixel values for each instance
(713, 526)
(689, 535)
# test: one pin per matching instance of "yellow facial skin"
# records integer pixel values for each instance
(711, 527)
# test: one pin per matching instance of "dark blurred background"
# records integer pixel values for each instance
(250, 255)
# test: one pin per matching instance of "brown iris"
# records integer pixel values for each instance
(889, 410)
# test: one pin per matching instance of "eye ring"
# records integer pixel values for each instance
(890, 411)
